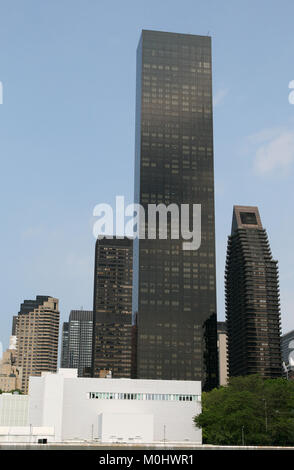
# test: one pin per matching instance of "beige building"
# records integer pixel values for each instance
(10, 373)
(37, 329)
(222, 353)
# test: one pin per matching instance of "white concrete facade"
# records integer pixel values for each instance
(115, 410)
(26, 434)
(125, 427)
(14, 409)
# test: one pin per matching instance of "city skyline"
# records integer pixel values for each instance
(35, 237)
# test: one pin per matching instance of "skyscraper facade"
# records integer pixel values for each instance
(222, 349)
(174, 304)
(77, 341)
(112, 331)
(64, 345)
(252, 298)
(10, 374)
(14, 321)
(37, 330)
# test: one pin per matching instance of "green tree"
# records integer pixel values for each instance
(250, 411)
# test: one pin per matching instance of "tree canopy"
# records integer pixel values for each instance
(249, 411)
(12, 391)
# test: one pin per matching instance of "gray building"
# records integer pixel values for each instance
(77, 341)
(64, 345)
(287, 348)
(174, 293)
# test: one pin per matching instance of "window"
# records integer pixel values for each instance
(142, 396)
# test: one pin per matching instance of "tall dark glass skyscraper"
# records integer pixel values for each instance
(252, 298)
(112, 331)
(174, 303)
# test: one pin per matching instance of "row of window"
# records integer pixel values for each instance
(142, 396)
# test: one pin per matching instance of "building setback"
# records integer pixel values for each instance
(252, 298)
(112, 330)
(37, 331)
(77, 340)
(174, 304)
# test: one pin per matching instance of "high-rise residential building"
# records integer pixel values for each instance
(37, 331)
(222, 346)
(10, 374)
(64, 345)
(112, 331)
(252, 298)
(174, 305)
(77, 338)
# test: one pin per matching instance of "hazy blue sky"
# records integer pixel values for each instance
(67, 131)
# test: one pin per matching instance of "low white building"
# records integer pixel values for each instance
(14, 421)
(115, 410)
(26, 434)
(14, 409)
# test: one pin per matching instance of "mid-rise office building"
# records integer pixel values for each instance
(112, 331)
(37, 330)
(174, 305)
(252, 298)
(77, 341)
(10, 373)
(222, 349)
